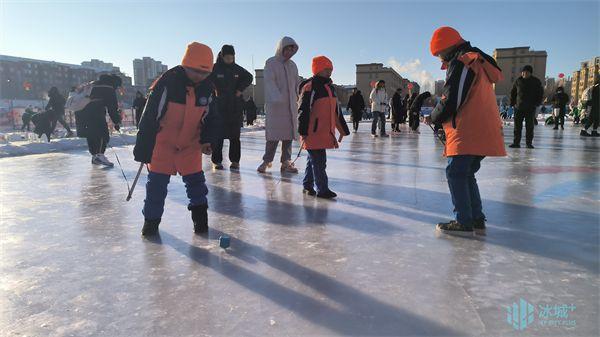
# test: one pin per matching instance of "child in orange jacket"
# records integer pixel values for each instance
(174, 132)
(319, 116)
(472, 125)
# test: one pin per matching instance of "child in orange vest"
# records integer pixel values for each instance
(174, 132)
(471, 121)
(319, 116)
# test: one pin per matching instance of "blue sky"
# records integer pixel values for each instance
(394, 33)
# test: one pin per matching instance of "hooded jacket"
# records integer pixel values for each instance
(468, 108)
(227, 79)
(177, 119)
(281, 94)
(320, 114)
(379, 100)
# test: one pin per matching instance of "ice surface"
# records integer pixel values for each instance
(73, 262)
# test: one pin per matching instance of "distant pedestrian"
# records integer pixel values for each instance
(559, 103)
(250, 111)
(138, 106)
(415, 111)
(56, 110)
(379, 105)
(356, 105)
(526, 95)
(398, 110)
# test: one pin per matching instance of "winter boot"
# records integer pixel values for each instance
(454, 228)
(530, 146)
(96, 160)
(100, 159)
(217, 166)
(479, 226)
(309, 191)
(584, 133)
(288, 167)
(329, 194)
(200, 218)
(515, 146)
(150, 227)
(234, 166)
(263, 167)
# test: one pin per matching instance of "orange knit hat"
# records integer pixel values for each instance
(320, 63)
(198, 56)
(444, 38)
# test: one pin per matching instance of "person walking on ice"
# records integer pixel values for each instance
(471, 122)
(175, 130)
(318, 117)
(379, 105)
(281, 105)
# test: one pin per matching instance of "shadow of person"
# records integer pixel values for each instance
(360, 314)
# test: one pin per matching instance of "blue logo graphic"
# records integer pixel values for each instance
(520, 315)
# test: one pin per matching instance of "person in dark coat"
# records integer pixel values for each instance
(406, 106)
(250, 111)
(26, 118)
(398, 110)
(593, 103)
(91, 122)
(415, 110)
(560, 101)
(526, 95)
(356, 105)
(230, 81)
(56, 110)
(138, 106)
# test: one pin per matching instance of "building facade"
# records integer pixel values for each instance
(146, 70)
(512, 60)
(100, 66)
(584, 78)
(30, 79)
(373, 72)
(23, 78)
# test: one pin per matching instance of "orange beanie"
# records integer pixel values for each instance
(444, 38)
(320, 63)
(198, 56)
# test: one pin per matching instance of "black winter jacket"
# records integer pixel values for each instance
(526, 94)
(227, 79)
(172, 87)
(91, 121)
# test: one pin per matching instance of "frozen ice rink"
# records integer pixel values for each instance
(73, 262)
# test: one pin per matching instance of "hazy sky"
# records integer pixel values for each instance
(395, 33)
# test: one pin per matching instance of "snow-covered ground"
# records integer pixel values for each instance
(18, 143)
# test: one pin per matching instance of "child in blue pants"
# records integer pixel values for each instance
(319, 116)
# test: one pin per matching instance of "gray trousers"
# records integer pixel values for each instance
(271, 148)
